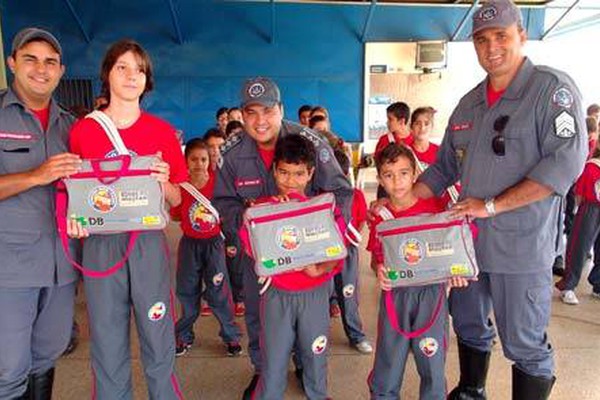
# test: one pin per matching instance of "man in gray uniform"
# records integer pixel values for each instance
(245, 175)
(517, 143)
(37, 284)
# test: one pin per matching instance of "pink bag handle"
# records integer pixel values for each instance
(393, 318)
(108, 177)
(61, 222)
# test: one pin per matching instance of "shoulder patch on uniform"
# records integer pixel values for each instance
(564, 125)
(312, 136)
(230, 143)
(563, 97)
(324, 155)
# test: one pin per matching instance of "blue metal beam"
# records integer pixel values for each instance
(463, 22)
(555, 24)
(577, 25)
(368, 21)
(78, 21)
(175, 19)
(272, 22)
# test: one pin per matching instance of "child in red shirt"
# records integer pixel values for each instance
(421, 124)
(398, 115)
(346, 281)
(143, 284)
(416, 307)
(584, 233)
(215, 139)
(294, 310)
(201, 257)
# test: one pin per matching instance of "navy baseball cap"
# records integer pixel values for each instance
(31, 34)
(261, 91)
(496, 14)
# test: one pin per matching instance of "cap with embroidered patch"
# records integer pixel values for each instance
(496, 14)
(27, 35)
(261, 91)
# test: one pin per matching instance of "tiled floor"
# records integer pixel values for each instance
(206, 373)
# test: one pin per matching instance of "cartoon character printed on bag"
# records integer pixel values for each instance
(201, 219)
(103, 199)
(288, 238)
(412, 252)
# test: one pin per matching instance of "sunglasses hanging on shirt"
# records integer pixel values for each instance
(498, 142)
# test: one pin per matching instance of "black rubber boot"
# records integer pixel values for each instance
(250, 389)
(529, 387)
(41, 385)
(474, 366)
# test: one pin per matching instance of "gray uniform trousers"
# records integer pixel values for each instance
(204, 259)
(235, 271)
(414, 307)
(35, 328)
(584, 235)
(252, 316)
(521, 304)
(346, 290)
(142, 285)
(294, 320)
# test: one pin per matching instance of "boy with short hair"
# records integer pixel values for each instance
(295, 309)
(304, 114)
(398, 118)
(346, 282)
(214, 139)
(421, 311)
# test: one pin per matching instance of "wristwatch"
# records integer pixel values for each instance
(490, 207)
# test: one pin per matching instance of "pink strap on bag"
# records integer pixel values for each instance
(393, 318)
(106, 177)
(61, 221)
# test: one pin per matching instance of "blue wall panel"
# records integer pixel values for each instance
(314, 51)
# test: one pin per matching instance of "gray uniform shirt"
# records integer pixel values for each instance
(30, 251)
(243, 177)
(545, 141)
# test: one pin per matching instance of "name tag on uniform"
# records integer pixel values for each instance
(16, 136)
(245, 182)
(464, 126)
